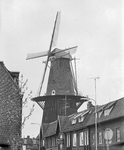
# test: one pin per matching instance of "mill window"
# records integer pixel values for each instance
(118, 135)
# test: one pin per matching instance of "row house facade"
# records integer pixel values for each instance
(77, 131)
(29, 143)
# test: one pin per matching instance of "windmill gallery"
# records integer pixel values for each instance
(63, 127)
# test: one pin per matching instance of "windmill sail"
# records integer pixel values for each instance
(61, 87)
(56, 30)
(63, 78)
(74, 80)
(36, 55)
(53, 42)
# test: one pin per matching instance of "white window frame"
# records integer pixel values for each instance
(81, 139)
(107, 111)
(118, 134)
(100, 137)
(43, 142)
(74, 121)
(68, 140)
(74, 139)
(93, 139)
(81, 118)
(86, 137)
(87, 134)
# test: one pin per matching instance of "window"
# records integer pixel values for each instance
(53, 141)
(74, 121)
(118, 135)
(93, 139)
(108, 142)
(43, 143)
(49, 142)
(25, 141)
(107, 111)
(74, 139)
(68, 140)
(34, 141)
(86, 139)
(100, 137)
(80, 119)
(81, 138)
(61, 136)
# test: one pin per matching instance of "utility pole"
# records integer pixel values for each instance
(65, 105)
(95, 78)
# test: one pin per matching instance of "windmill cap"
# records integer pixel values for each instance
(59, 53)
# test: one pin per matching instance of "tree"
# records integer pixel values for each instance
(26, 97)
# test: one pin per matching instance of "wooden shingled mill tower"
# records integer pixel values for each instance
(61, 96)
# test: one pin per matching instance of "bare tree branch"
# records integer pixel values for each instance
(23, 89)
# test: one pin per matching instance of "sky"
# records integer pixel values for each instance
(95, 26)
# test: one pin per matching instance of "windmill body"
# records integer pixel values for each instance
(60, 84)
(61, 96)
(60, 77)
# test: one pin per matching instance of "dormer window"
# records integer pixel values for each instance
(74, 121)
(81, 119)
(107, 111)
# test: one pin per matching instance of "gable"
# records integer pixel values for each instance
(49, 129)
(6, 75)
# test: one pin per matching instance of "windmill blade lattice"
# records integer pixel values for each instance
(52, 43)
(36, 55)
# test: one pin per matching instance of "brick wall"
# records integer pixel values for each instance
(10, 109)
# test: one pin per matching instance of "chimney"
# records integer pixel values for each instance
(28, 137)
(89, 105)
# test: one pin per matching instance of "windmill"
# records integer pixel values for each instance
(61, 80)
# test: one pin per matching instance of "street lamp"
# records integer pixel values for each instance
(39, 133)
(90, 99)
(95, 78)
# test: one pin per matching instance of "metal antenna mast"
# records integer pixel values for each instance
(95, 78)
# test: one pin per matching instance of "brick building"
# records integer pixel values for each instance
(77, 131)
(10, 108)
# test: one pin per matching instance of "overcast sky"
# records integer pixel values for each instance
(95, 26)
